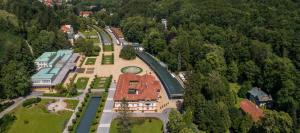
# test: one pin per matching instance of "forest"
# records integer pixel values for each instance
(253, 43)
(250, 42)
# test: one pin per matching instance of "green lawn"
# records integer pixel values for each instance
(141, 125)
(235, 87)
(37, 119)
(71, 104)
(90, 61)
(82, 82)
(107, 59)
(96, 82)
(108, 48)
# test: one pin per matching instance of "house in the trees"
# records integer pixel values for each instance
(69, 31)
(260, 98)
(85, 14)
(141, 92)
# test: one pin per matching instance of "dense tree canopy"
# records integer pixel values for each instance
(253, 43)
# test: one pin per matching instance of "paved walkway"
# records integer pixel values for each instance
(107, 115)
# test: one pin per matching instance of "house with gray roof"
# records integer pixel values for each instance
(260, 98)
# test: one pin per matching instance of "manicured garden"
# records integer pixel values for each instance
(138, 125)
(81, 82)
(90, 61)
(35, 118)
(132, 69)
(108, 48)
(107, 59)
(101, 82)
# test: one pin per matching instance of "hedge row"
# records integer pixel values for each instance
(81, 110)
(107, 83)
(95, 122)
(31, 101)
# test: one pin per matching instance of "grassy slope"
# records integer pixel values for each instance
(39, 120)
(141, 126)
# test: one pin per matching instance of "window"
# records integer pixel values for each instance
(133, 82)
(132, 91)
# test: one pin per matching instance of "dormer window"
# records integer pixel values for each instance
(133, 82)
(132, 91)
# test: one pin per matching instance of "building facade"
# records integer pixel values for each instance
(141, 92)
(53, 68)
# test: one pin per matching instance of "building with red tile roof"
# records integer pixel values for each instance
(141, 92)
(250, 108)
(68, 29)
(85, 13)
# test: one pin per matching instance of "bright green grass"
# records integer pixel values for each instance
(108, 48)
(39, 119)
(81, 82)
(90, 61)
(107, 59)
(140, 125)
(71, 104)
(235, 87)
(99, 82)
(95, 84)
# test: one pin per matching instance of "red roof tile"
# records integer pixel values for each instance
(87, 13)
(147, 87)
(250, 108)
(65, 28)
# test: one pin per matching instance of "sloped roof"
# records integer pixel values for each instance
(261, 95)
(146, 86)
(250, 108)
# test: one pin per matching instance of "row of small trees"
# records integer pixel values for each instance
(79, 113)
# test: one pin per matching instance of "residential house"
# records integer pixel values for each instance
(68, 29)
(260, 98)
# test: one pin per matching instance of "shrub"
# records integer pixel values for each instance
(80, 109)
(127, 53)
(26, 121)
(70, 128)
(74, 121)
(31, 101)
(78, 114)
